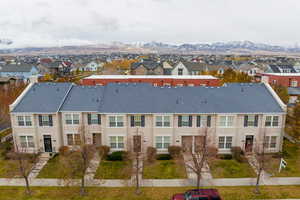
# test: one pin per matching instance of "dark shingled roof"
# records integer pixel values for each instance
(16, 68)
(145, 98)
(294, 91)
(43, 98)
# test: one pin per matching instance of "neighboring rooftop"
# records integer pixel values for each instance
(150, 77)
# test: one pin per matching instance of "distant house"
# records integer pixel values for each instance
(56, 67)
(188, 68)
(146, 68)
(5, 82)
(250, 69)
(167, 68)
(92, 66)
(23, 71)
(281, 69)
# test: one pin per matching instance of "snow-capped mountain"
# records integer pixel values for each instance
(6, 41)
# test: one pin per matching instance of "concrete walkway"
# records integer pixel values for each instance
(93, 166)
(42, 161)
(205, 172)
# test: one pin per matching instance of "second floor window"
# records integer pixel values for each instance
(180, 71)
(185, 121)
(116, 121)
(94, 119)
(26, 141)
(272, 121)
(203, 121)
(72, 119)
(294, 83)
(45, 120)
(137, 121)
(162, 121)
(24, 120)
(226, 121)
(251, 120)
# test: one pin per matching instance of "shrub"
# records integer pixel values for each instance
(225, 156)
(151, 154)
(64, 150)
(174, 151)
(5, 147)
(163, 157)
(237, 154)
(103, 151)
(117, 156)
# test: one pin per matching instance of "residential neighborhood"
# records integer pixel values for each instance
(149, 100)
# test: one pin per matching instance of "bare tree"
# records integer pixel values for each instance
(25, 162)
(137, 154)
(260, 159)
(202, 152)
(77, 162)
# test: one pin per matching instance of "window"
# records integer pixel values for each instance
(180, 71)
(294, 83)
(72, 119)
(185, 120)
(116, 121)
(24, 121)
(270, 142)
(203, 121)
(26, 141)
(226, 121)
(137, 121)
(272, 121)
(225, 142)
(45, 120)
(251, 120)
(116, 142)
(73, 139)
(163, 121)
(162, 142)
(94, 118)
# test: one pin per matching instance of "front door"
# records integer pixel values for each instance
(187, 143)
(249, 143)
(97, 139)
(47, 143)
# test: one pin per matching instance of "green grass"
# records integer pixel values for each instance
(51, 169)
(114, 170)
(230, 169)
(164, 169)
(9, 168)
(291, 154)
(126, 193)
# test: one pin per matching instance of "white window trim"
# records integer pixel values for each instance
(271, 126)
(225, 140)
(162, 149)
(163, 115)
(185, 126)
(269, 142)
(71, 133)
(94, 119)
(116, 149)
(48, 121)
(65, 119)
(26, 136)
(233, 121)
(32, 121)
(124, 121)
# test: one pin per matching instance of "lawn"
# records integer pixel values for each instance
(291, 154)
(164, 169)
(114, 170)
(153, 193)
(53, 169)
(230, 169)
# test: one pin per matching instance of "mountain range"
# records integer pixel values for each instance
(239, 47)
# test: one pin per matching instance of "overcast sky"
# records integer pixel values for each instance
(65, 22)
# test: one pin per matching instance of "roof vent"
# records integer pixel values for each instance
(117, 90)
(242, 89)
(97, 100)
(177, 101)
(57, 89)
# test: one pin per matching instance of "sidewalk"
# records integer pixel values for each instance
(93, 166)
(42, 161)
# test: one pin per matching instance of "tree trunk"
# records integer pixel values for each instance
(28, 191)
(82, 187)
(257, 190)
(137, 189)
(198, 179)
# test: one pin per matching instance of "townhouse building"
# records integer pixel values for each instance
(47, 116)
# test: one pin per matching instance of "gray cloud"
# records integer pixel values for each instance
(46, 22)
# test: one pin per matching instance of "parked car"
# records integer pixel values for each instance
(198, 194)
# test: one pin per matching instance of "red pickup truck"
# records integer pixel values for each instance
(198, 194)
